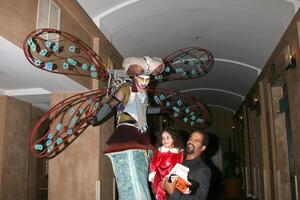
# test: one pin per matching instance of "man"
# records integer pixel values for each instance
(199, 174)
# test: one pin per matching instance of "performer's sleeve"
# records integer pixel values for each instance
(105, 112)
(110, 106)
(153, 165)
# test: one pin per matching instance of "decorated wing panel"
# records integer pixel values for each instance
(68, 119)
(186, 63)
(59, 52)
(182, 107)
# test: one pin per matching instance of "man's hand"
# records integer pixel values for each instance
(169, 187)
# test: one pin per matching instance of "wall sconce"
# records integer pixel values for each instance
(291, 59)
(255, 100)
(256, 104)
(292, 62)
(241, 117)
(232, 128)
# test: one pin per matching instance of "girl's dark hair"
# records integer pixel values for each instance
(175, 136)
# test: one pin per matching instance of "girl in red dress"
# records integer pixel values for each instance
(164, 159)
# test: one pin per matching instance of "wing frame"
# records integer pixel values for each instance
(205, 111)
(63, 107)
(197, 62)
(98, 65)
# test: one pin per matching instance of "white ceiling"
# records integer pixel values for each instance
(240, 34)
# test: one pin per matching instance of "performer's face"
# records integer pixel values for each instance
(167, 140)
(142, 81)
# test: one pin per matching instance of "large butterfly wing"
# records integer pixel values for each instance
(59, 52)
(182, 107)
(68, 119)
(186, 63)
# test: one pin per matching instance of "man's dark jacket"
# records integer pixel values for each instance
(200, 173)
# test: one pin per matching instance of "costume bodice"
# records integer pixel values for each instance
(136, 107)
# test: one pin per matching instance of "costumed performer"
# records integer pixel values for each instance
(129, 147)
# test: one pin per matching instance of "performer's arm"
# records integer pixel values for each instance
(109, 107)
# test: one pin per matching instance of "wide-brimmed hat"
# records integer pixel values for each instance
(143, 65)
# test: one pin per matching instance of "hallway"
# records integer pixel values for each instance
(228, 68)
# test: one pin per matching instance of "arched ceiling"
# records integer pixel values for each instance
(240, 34)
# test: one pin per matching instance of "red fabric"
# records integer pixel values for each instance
(162, 163)
(126, 134)
(116, 147)
(127, 137)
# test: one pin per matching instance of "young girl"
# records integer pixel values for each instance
(164, 159)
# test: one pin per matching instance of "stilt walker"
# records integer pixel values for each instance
(129, 147)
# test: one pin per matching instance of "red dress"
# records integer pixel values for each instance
(163, 161)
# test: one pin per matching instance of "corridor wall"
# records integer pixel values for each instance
(18, 169)
(268, 122)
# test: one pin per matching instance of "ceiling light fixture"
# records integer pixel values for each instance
(291, 59)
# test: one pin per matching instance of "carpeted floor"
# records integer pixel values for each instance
(219, 195)
(233, 198)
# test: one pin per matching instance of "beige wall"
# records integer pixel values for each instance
(2, 137)
(106, 171)
(16, 178)
(18, 18)
(221, 125)
(15, 150)
(37, 177)
(73, 173)
(75, 21)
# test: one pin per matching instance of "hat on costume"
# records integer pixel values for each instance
(143, 66)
